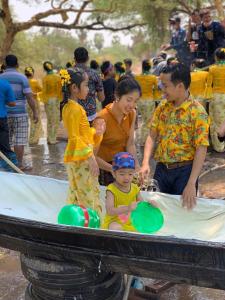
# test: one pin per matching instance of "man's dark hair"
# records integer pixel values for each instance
(94, 64)
(11, 61)
(146, 65)
(177, 20)
(163, 55)
(179, 73)
(105, 66)
(81, 55)
(128, 62)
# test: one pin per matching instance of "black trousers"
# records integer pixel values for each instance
(4, 137)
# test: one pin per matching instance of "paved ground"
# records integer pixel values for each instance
(47, 161)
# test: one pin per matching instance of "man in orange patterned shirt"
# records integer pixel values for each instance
(179, 135)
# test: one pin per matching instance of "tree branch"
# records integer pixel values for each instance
(97, 25)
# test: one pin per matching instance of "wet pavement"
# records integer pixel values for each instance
(47, 160)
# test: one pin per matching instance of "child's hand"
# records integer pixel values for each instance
(153, 203)
(94, 169)
(100, 126)
(132, 206)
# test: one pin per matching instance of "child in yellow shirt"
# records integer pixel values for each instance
(79, 156)
(51, 96)
(36, 130)
(122, 195)
(217, 106)
(146, 104)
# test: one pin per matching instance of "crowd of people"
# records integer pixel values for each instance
(180, 99)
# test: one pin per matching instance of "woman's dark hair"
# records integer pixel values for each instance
(81, 55)
(94, 64)
(29, 71)
(119, 67)
(179, 73)
(127, 85)
(76, 76)
(105, 67)
(69, 64)
(220, 53)
(48, 66)
(146, 65)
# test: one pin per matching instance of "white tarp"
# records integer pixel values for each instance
(41, 198)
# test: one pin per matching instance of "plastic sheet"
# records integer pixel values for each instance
(41, 198)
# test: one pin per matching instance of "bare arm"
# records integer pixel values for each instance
(131, 148)
(189, 193)
(148, 151)
(115, 211)
(32, 105)
(103, 164)
(11, 104)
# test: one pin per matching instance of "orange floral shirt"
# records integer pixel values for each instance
(180, 130)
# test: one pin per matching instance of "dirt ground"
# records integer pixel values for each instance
(48, 161)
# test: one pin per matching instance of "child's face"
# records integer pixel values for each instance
(82, 92)
(172, 92)
(124, 176)
(128, 102)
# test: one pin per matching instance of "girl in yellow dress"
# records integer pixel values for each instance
(122, 195)
(36, 130)
(51, 96)
(79, 156)
(146, 105)
(217, 105)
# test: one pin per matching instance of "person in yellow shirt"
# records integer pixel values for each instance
(179, 133)
(36, 130)
(146, 104)
(79, 158)
(217, 105)
(122, 195)
(199, 88)
(51, 96)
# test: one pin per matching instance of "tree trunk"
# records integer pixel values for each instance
(7, 44)
(219, 8)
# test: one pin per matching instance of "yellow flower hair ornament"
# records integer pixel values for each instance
(49, 66)
(65, 77)
(29, 70)
(223, 50)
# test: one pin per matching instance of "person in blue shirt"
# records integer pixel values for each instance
(7, 98)
(211, 37)
(17, 115)
(179, 42)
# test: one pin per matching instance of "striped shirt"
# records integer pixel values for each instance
(95, 85)
(21, 87)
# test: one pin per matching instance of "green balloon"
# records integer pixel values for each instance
(147, 218)
(94, 220)
(71, 215)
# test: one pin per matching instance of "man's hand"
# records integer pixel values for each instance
(189, 196)
(144, 173)
(35, 117)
